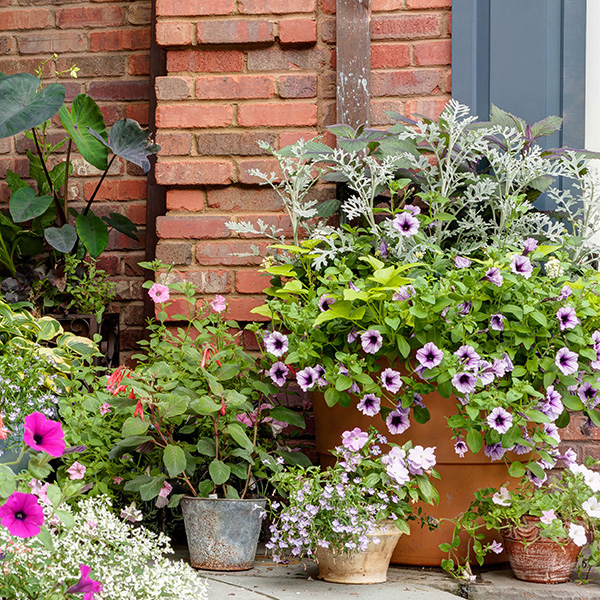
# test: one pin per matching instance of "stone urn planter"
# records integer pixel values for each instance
(370, 566)
(539, 559)
(222, 533)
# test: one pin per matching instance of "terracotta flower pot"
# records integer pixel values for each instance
(460, 477)
(369, 566)
(539, 559)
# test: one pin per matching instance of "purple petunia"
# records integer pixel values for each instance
(530, 245)
(567, 318)
(497, 322)
(307, 378)
(404, 293)
(464, 382)
(371, 341)
(460, 447)
(552, 406)
(413, 209)
(494, 276)
(278, 373)
(468, 356)
(369, 405)
(486, 372)
(462, 262)
(406, 224)
(464, 308)
(500, 420)
(398, 421)
(588, 394)
(494, 451)
(86, 585)
(391, 380)
(352, 336)
(565, 292)
(321, 381)
(430, 356)
(276, 343)
(566, 361)
(325, 302)
(383, 249)
(521, 265)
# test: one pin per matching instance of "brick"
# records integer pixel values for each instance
(25, 19)
(189, 227)
(235, 31)
(404, 83)
(190, 200)
(139, 113)
(277, 115)
(174, 254)
(122, 39)
(297, 31)
(138, 64)
(193, 8)
(420, 4)
(137, 213)
(426, 107)
(239, 198)
(274, 59)
(217, 87)
(390, 56)
(291, 137)
(8, 44)
(139, 14)
(406, 27)
(433, 53)
(109, 263)
(175, 144)
(239, 309)
(49, 42)
(194, 172)
(251, 282)
(265, 165)
(379, 108)
(89, 17)
(448, 82)
(174, 88)
(205, 61)
(228, 144)
(117, 190)
(328, 7)
(205, 282)
(297, 86)
(327, 85)
(175, 306)
(174, 34)
(227, 252)
(96, 65)
(277, 7)
(280, 222)
(118, 90)
(386, 5)
(188, 116)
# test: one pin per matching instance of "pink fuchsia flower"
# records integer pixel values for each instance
(497, 322)
(502, 497)
(307, 378)
(354, 440)
(494, 276)
(566, 361)
(567, 318)
(371, 341)
(565, 292)
(547, 516)
(462, 262)
(76, 471)
(218, 304)
(85, 585)
(577, 534)
(159, 293)
(276, 343)
(397, 421)
(430, 356)
(391, 380)
(500, 420)
(278, 373)
(44, 434)
(460, 447)
(496, 547)
(117, 480)
(420, 459)
(105, 408)
(22, 515)
(369, 405)
(325, 302)
(464, 382)
(165, 490)
(530, 245)
(406, 224)
(521, 265)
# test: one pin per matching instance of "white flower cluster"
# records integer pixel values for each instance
(128, 561)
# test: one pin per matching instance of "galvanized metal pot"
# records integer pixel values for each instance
(222, 534)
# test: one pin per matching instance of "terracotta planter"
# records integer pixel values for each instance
(461, 477)
(538, 559)
(369, 566)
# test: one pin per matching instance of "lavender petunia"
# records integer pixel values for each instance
(430, 356)
(353, 287)
(307, 378)
(462, 262)
(529, 245)
(321, 381)
(566, 361)
(464, 308)
(494, 451)
(406, 224)
(588, 394)
(325, 302)
(468, 355)
(494, 276)
(521, 265)
(404, 293)
(371, 341)
(369, 405)
(278, 373)
(500, 420)
(383, 249)
(567, 318)
(420, 459)
(497, 322)
(565, 292)
(413, 209)
(460, 447)
(352, 336)
(486, 372)
(569, 458)
(391, 380)
(276, 343)
(552, 406)
(464, 382)
(398, 421)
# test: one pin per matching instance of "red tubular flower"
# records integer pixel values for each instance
(113, 382)
(205, 356)
(223, 408)
(139, 410)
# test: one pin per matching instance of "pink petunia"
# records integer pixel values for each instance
(159, 293)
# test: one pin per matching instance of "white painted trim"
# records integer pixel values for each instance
(592, 77)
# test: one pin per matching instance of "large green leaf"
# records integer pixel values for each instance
(24, 205)
(174, 459)
(24, 105)
(62, 239)
(219, 472)
(122, 224)
(129, 141)
(280, 413)
(86, 115)
(93, 233)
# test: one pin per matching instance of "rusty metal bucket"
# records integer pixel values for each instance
(222, 534)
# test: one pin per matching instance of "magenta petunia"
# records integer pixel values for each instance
(159, 293)
(22, 515)
(521, 265)
(369, 405)
(566, 361)
(44, 435)
(430, 356)
(406, 224)
(86, 585)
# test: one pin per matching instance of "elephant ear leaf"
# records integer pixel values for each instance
(129, 141)
(62, 239)
(122, 224)
(93, 233)
(86, 115)
(25, 105)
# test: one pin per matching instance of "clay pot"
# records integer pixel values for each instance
(460, 477)
(539, 559)
(369, 566)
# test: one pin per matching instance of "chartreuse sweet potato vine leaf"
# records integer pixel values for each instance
(25, 105)
(86, 115)
(129, 141)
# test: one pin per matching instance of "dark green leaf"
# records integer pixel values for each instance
(93, 233)
(206, 446)
(174, 460)
(150, 490)
(62, 239)
(474, 441)
(295, 458)
(239, 435)
(280, 413)
(219, 472)
(24, 205)
(122, 224)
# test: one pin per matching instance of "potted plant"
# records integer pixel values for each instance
(200, 414)
(443, 280)
(349, 516)
(544, 527)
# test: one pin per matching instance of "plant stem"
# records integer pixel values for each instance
(253, 445)
(66, 192)
(86, 210)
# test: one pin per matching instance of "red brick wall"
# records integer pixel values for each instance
(109, 41)
(239, 71)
